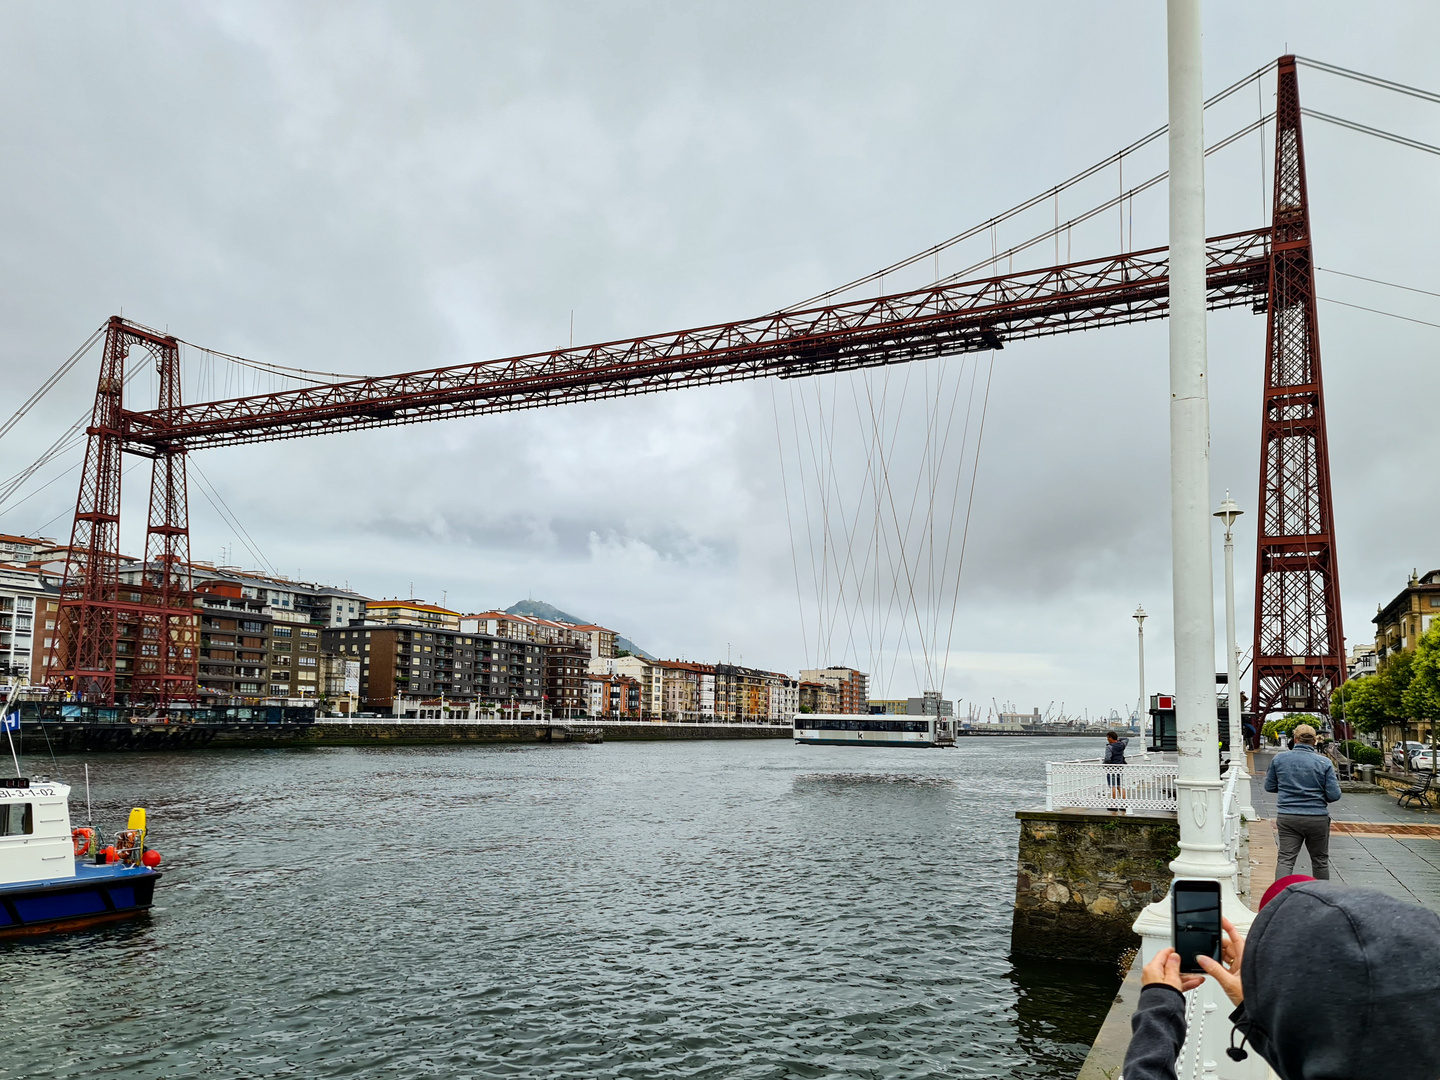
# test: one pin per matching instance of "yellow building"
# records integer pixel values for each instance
(412, 613)
(1399, 624)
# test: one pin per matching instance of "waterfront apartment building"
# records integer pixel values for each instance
(340, 683)
(566, 667)
(22, 550)
(784, 699)
(1399, 624)
(745, 695)
(411, 613)
(614, 697)
(648, 673)
(26, 601)
(817, 697)
(597, 641)
(687, 690)
(234, 647)
(851, 687)
(418, 662)
(294, 656)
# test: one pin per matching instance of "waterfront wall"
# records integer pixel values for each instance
(78, 736)
(1083, 877)
(1393, 783)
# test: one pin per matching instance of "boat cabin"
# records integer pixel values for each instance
(35, 841)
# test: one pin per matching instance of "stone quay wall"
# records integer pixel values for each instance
(157, 736)
(1394, 783)
(1083, 878)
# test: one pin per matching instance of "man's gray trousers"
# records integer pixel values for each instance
(1313, 830)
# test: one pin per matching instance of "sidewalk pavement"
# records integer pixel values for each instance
(1368, 844)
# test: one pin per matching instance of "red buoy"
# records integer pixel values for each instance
(151, 858)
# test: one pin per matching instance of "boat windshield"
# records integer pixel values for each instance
(17, 819)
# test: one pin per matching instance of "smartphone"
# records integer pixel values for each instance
(1195, 912)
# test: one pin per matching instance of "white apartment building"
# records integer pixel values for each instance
(784, 698)
(23, 549)
(596, 640)
(651, 678)
(25, 604)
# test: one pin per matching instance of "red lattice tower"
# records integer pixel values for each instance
(134, 643)
(1299, 647)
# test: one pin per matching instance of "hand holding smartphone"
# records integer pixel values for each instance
(1195, 917)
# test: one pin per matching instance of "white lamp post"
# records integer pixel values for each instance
(1199, 794)
(1227, 514)
(1139, 618)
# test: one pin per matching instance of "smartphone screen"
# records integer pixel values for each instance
(1196, 912)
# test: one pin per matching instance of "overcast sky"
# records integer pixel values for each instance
(379, 188)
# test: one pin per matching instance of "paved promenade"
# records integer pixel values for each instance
(1368, 845)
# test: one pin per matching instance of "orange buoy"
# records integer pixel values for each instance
(110, 854)
(151, 858)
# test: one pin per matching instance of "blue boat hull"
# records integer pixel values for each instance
(96, 895)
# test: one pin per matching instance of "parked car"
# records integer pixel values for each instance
(1399, 751)
(1423, 761)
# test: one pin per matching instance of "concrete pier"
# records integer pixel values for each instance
(1084, 875)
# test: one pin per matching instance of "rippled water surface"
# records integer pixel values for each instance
(715, 909)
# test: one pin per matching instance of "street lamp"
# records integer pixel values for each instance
(1139, 618)
(1227, 513)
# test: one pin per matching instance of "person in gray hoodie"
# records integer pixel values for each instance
(1332, 983)
(1305, 784)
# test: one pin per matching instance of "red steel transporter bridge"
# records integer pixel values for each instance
(139, 644)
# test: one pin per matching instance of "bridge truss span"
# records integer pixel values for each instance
(939, 320)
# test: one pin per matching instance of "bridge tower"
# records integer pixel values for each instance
(1299, 647)
(131, 642)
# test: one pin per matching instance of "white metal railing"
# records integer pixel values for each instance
(1142, 785)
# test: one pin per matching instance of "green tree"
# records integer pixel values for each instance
(1288, 723)
(1421, 699)
(1372, 701)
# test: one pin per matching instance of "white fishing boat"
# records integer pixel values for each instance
(54, 877)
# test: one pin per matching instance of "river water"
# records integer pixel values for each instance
(712, 909)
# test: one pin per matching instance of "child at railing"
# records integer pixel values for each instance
(1115, 755)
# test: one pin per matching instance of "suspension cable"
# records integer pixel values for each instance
(45, 387)
(1019, 208)
(1377, 281)
(1364, 129)
(1373, 80)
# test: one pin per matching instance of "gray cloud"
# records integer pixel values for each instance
(374, 188)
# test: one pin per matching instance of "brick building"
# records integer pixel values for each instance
(416, 662)
(566, 695)
(234, 646)
(851, 688)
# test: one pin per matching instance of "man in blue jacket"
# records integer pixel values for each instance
(1305, 784)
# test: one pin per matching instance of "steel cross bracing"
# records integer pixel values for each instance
(137, 640)
(1299, 646)
(939, 320)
